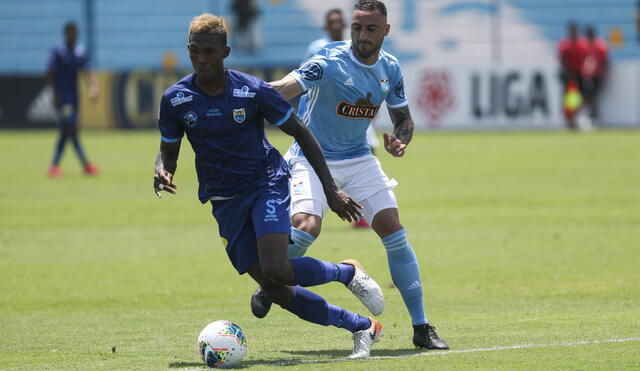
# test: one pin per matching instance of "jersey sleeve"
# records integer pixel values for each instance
(273, 107)
(171, 128)
(314, 72)
(52, 60)
(396, 97)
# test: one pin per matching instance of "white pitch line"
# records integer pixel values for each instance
(447, 352)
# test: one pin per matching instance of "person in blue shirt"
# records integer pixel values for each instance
(222, 113)
(65, 63)
(345, 83)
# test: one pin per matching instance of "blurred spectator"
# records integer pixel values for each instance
(334, 26)
(594, 70)
(65, 63)
(571, 52)
(245, 30)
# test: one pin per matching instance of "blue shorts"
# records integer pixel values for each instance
(242, 220)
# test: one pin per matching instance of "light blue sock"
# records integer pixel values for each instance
(301, 242)
(405, 274)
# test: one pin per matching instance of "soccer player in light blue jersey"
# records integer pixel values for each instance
(222, 113)
(344, 84)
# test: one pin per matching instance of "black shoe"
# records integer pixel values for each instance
(260, 303)
(424, 336)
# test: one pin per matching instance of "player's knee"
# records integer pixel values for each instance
(278, 273)
(311, 224)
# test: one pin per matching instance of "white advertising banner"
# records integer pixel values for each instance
(507, 97)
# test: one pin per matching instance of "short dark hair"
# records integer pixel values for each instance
(69, 25)
(332, 12)
(371, 5)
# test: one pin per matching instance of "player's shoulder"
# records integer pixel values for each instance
(388, 58)
(182, 86)
(237, 79)
(334, 50)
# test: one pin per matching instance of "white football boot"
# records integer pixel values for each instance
(365, 289)
(363, 340)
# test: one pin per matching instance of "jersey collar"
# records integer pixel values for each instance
(356, 61)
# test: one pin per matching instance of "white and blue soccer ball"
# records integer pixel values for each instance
(222, 344)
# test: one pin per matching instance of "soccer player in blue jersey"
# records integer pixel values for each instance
(345, 83)
(65, 63)
(222, 112)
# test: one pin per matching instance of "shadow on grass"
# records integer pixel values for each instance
(329, 355)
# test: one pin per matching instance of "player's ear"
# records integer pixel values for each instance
(227, 50)
(387, 29)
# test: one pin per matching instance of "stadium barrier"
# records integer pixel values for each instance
(450, 98)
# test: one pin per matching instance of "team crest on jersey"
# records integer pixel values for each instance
(384, 84)
(180, 98)
(190, 119)
(362, 109)
(239, 115)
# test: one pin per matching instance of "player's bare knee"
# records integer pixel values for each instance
(279, 274)
(311, 224)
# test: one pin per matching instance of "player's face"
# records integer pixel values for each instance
(368, 30)
(207, 53)
(70, 35)
(335, 25)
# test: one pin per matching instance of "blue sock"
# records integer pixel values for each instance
(313, 308)
(313, 272)
(405, 274)
(301, 241)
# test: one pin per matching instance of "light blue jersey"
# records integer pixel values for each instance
(343, 95)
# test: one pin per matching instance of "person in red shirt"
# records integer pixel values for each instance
(594, 70)
(572, 51)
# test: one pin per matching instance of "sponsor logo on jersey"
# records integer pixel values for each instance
(214, 112)
(180, 98)
(243, 93)
(362, 109)
(311, 71)
(190, 119)
(239, 115)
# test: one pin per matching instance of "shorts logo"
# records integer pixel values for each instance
(243, 93)
(298, 189)
(362, 109)
(311, 71)
(190, 119)
(180, 98)
(271, 211)
(239, 115)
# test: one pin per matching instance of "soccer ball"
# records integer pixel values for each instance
(222, 344)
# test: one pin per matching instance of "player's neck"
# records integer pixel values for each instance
(213, 86)
(369, 61)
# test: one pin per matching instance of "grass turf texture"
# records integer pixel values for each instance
(523, 238)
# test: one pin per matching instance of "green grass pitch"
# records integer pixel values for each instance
(524, 239)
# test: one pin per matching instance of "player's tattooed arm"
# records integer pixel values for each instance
(165, 167)
(343, 205)
(288, 87)
(396, 143)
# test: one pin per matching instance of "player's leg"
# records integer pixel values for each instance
(273, 273)
(54, 169)
(72, 119)
(403, 266)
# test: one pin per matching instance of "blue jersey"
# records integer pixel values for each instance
(343, 95)
(226, 132)
(65, 64)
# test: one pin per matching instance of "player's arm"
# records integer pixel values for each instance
(338, 201)
(165, 167)
(288, 87)
(396, 143)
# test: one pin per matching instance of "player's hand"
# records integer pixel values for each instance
(163, 181)
(343, 205)
(393, 145)
(94, 92)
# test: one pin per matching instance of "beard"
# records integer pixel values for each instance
(365, 50)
